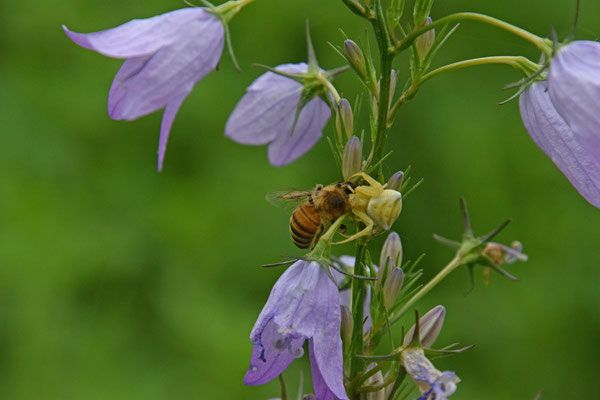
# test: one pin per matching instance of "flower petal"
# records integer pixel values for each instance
(147, 83)
(288, 145)
(141, 36)
(322, 391)
(579, 163)
(326, 344)
(267, 108)
(574, 85)
(268, 361)
(165, 126)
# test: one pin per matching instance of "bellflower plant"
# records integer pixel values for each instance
(303, 304)
(561, 115)
(345, 306)
(166, 56)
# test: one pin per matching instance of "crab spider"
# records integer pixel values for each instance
(373, 205)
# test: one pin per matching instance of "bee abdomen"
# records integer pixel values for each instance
(304, 225)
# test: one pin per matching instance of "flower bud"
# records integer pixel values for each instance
(430, 326)
(392, 287)
(395, 182)
(355, 56)
(424, 42)
(352, 158)
(347, 324)
(392, 250)
(345, 111)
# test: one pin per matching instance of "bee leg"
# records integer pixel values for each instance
(367, 231)
(317, 237)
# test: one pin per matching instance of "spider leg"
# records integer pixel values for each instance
(366, 231)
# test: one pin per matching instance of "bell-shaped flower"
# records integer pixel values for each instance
(267, 114)
(303, 304)
(166, 56)
(561, 115)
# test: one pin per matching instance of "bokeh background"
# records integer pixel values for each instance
(118, 282)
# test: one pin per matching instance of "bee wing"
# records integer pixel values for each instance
(287, 199)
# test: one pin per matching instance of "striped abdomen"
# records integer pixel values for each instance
(305, 225)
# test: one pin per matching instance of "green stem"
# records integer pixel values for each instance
(383, 101)
(330, 87)
(523, 64)
(544, 45)
(452, 265)
(358, 299)
(518, 62)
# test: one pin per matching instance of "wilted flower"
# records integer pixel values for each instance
(433, 384)
(166, 56)
(267, 112)
(561, 115)
(303, 304)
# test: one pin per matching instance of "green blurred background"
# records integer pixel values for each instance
(118, 282)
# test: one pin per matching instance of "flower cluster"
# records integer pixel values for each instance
(341, 307)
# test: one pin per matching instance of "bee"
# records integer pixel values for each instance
(369, 202)
(316, 209)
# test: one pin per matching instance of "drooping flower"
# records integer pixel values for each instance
(303, 304)
(166, 56)
(267, 112)
(433, 383)
(561, 115)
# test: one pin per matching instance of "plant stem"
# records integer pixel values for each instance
(519, 62)
(383, 40)
(544, 45)
(358, 299)
(451, 266)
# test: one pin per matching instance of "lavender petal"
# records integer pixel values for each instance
(146, 84)
(579, 163)
(140, 37)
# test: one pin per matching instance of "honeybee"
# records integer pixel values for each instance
(315, 210)
(369, 202)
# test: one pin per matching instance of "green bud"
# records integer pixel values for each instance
(347, 324)
(355, 56)
(392, 287)
(345, 112)
(425, 41)
(430, 326)
(352, 158)
(395, 182)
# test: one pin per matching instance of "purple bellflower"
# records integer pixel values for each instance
(166, 56)
(303, 304)
(267, 112)
(561, 115)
